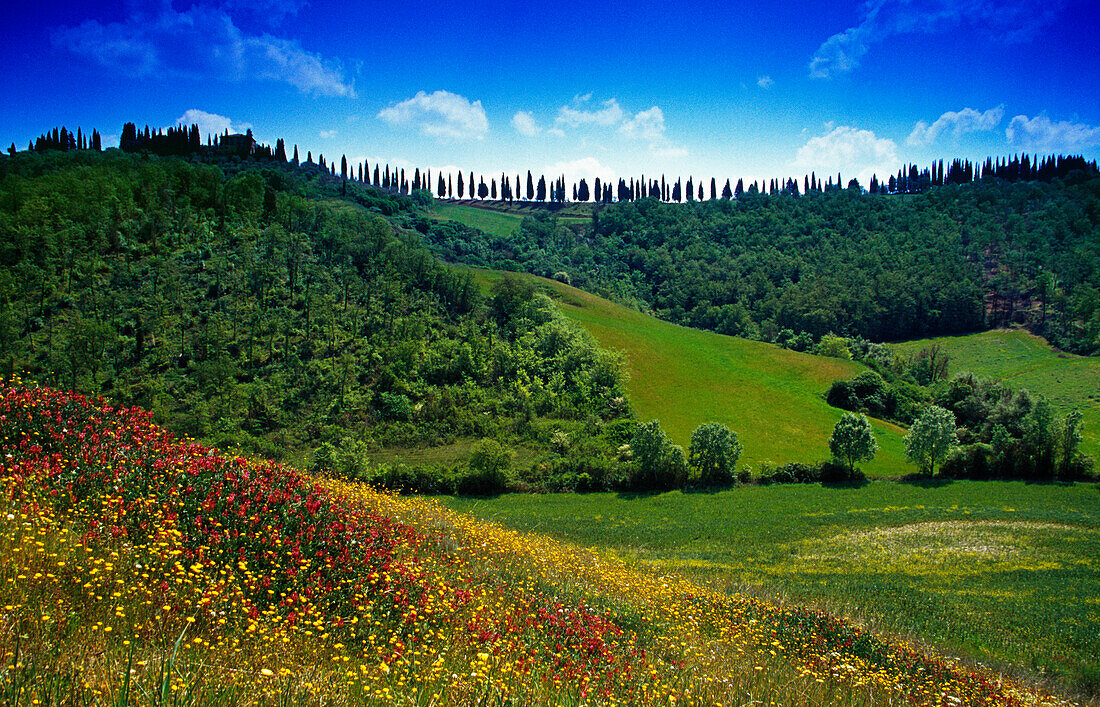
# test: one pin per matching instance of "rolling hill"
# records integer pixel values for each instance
(771, 397)
(1023, 360)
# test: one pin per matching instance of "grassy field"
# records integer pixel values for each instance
(500, 219)
(494, 222)
(685, 377)
(136, 568)
(1001, 572)
(1023, 360)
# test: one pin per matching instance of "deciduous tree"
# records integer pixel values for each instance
(930, 438)
(853, 440)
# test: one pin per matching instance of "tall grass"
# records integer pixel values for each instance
(138, 569)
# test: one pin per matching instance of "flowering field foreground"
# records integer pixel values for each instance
(140, 569)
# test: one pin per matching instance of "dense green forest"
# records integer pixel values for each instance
(285, 309)
(956, 258)
(250, 305)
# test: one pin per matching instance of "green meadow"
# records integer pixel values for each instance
(501, 219)
(772, 397)
(1023, 360)
(495, 222)
(1003, 573)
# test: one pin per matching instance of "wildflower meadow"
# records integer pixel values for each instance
(138, 568)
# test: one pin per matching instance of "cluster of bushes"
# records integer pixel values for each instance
(999, 432)
(577, 459)
(826, 472)
(871, 394)
(1006, 433)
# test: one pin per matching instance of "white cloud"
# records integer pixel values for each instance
(202, 43)
(668, 151)
(852, 152)
(576, 114)
(1004, 20)
(211, 123)
(327, 134)
(587, 168)
(441, 114)
(958, 123)
(765, 82)
(524, 124)
(646, 125)
(1042, 134)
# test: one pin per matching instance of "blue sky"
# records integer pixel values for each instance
(725, 89)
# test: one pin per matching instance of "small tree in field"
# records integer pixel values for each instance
(853, 440)
(661, 464)
(930, 438)
(714, 452)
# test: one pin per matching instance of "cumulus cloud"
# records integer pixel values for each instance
(524, 124)
(646, 125)
(201, 42)
(327, 134)
(578, 114)
(765, 82)
(852, 152)
(587, 168)
(211, 123)
(958, 123)
(1045, 135)
(441, 115)
(1005, 20)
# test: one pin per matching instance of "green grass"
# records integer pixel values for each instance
(770, 396)
(495, 222)
(1023, 360)
(996, 571)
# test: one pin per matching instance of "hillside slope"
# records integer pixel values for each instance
(163, 571)
(771, 397)
(1023, 360)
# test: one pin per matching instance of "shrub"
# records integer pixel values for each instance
(714, 452)
(971, 461)
(394, 407)
(412, 479)
(833, 346)
(660, 463)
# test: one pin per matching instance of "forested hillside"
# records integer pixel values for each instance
(248, 305)
(956, 258)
